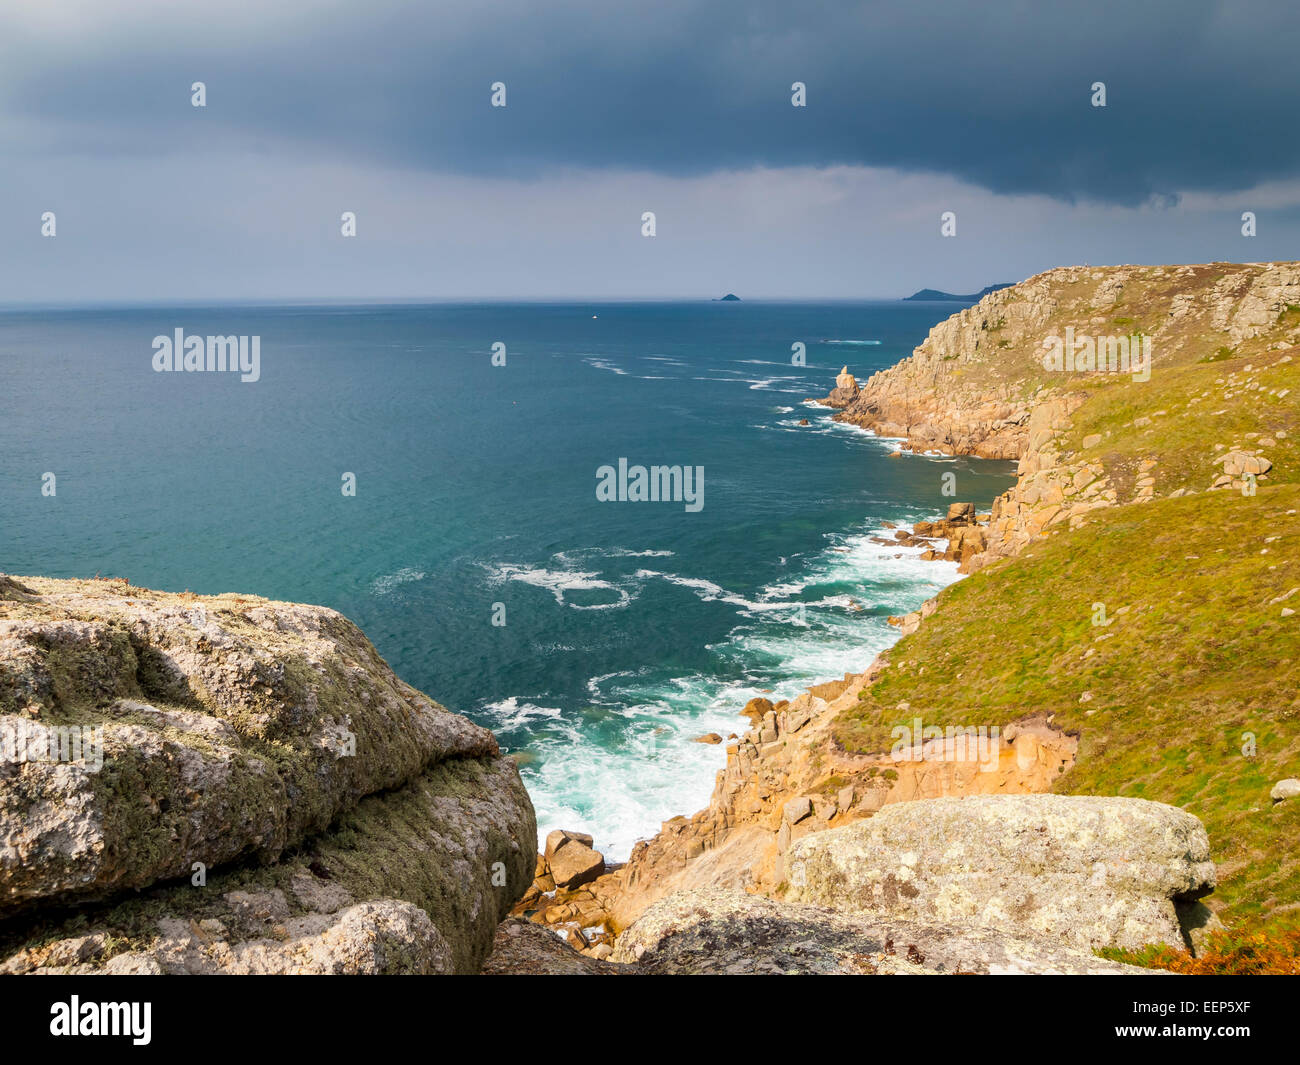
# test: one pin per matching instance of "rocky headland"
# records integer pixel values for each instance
(938, 295)
(977, 385)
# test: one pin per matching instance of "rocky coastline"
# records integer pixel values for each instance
(787, 777)
(227, 784)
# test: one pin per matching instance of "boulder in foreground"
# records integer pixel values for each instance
(719, 932)
(1285, 789)
(228, 784)
(1088, 871)
(526, 949)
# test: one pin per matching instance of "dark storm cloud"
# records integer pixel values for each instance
(1201, 97)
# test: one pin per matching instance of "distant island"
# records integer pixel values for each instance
(934, 294)
(730, 296)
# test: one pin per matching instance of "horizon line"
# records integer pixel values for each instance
(126, 303)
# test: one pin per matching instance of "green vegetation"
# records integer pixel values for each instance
(1180, 415)
(1226, 953)
(1194, 666)
(1155, 631)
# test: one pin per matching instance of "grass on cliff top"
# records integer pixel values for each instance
(1007, 358)
(1181, 415)
(1188, 694)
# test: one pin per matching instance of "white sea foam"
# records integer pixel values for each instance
(594, 683)
(605, 364)
(622, 793)
(627, 552)
(805, 369)
(512, 713)
(389, 582)
(825, 619)
(560, 582)
(583, 556)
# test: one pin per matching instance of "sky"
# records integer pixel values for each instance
(682, 108)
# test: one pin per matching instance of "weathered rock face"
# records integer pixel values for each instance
(786, 779)
(845, 391)
(927, 399)
(962, 390)
(966, 537)
(385, 937)
(1089, 871)
(218, 733)
(570, 859)
(442, 859)
(526, 949)
(1048, 491)
(718, 932)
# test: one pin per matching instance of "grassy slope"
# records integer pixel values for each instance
(1195, 656)
(1197, 659)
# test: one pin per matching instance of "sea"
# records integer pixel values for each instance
(432, 472)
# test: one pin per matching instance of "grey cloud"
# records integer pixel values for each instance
(1201, 96)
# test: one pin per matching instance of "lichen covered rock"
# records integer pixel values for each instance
(1088, 871)
(279, 800)
(718, 932)
(526, 949)
(228, 727)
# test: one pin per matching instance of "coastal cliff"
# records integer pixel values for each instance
(978, 386)
(1127, 628)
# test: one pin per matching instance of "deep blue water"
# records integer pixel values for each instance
(631, 627)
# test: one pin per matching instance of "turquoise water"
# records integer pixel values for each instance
(630, 627)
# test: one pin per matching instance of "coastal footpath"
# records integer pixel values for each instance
(1128, 628)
